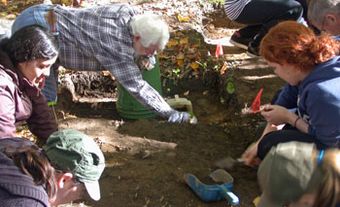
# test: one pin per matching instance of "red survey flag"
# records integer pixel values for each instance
(255, 106)
(219, 50)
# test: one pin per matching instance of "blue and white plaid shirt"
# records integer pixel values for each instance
(100, 38)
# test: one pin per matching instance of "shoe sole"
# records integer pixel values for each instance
(239, 45)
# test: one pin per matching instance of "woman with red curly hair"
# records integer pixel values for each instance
(310, 65)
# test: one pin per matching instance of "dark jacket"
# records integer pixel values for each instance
(16, 188)
(21, 101)
(317, 99)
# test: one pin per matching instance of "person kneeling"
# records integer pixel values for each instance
(68, 165)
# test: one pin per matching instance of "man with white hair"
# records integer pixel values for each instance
(110, 37)
(325, 15)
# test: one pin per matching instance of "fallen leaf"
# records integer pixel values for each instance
(183, 18)
(194, 65)
(184, 41)
(172, 43)
(180, 62)
(180, 56)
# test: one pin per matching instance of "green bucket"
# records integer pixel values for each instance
(128, 107)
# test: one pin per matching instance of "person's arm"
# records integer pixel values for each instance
(287, 97)
(129, 76)
(41, 123)
(323, 108)
(282, 117)
(277, 115)
(7, 114)
(249, 156)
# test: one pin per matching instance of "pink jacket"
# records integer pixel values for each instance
(20, 101)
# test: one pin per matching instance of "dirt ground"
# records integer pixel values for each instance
(147, 159)
(150, 157)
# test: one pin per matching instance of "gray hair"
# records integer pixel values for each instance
(317, 9)
(152, 29)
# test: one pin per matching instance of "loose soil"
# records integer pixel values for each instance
(147, 159)
(143, 172)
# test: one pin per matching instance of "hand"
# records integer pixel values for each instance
(179, 117)
(275, 114)
(249, 156)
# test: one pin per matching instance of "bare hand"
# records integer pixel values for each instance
(275, 114)
(249, 157)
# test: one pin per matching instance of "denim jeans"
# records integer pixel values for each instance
(35, 15)
(267, 13)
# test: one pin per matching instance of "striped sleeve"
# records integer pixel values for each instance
(233, 8)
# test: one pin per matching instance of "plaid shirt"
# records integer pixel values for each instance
(100, 38)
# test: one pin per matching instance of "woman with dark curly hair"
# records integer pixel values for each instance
(25, 61)
(310, 65)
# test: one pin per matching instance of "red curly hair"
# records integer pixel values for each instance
(292, 43)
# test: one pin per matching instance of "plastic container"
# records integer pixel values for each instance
(183, 104)
(212, 193)
(128, 107)
(180, 103)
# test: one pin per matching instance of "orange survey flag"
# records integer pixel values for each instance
(255, 106)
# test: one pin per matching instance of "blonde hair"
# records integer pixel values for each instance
(328, 194)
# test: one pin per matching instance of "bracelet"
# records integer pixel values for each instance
(296, 120)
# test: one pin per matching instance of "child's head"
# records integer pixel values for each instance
(78, 159)
(31, 43)
(32, 50)
(295, 170)
(294, 44)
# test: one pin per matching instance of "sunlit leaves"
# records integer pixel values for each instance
(194, 66)
(183, 18)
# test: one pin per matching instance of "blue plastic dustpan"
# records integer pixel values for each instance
(211, 193)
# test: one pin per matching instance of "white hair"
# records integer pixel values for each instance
(152, 29)
(317, 9)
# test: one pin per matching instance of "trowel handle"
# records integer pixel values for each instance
(230, 196)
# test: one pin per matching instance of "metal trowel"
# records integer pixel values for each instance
(228, 163)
